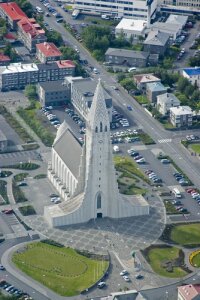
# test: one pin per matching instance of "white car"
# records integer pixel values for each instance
(126, 278)
(123, 272)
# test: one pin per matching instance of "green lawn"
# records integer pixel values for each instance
(157, 256)
(187, 234)
(61, 269)
(141, 99)
(20, 177)
(195, 148)
(196, 261)
(23, 166)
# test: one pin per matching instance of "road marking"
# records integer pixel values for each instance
(164, 141)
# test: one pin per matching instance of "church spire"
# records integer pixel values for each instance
(98, 112)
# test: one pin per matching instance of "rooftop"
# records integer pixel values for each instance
(12, 10)
(18, 67)
(29, 26)
(146, 78)
(2, 136)
(166, 27)
(157, 37)
(156, 86)
(48, 49)
(10, 36)
(192, 71)
(168, 97)
(190, 291)
(127, 53)
(53, 85)
(181, 110)
(65, 64)
(4, 58)
(131, 24)
(177, 19)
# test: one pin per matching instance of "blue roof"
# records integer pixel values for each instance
(156, 86)
(192, 71)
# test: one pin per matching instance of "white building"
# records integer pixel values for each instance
(180, 4)
(165, 102)
(181, 116)
(177, 20)
(85, 176)
(131, 28)
(193, 75)
(129, 9)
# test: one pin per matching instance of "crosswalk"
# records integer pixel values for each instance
(164, 141)
(16, 157)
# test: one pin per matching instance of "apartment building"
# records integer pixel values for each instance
(47, 52)
(181, 116)
(184, 3)
(129, 9)
(12, 13)
(193, 75)
(30, 33)
(165, 101)
(18, 75)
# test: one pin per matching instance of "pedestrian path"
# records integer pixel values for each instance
(16, 157)
(164, 141)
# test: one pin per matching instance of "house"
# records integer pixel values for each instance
(179, 20)
(4, 60)
(12, 13)
(82, 92)
(3, 142)
(165, 102)
(10, 38)
(53, 93)
(156, 42)
(124, 295)
(181, 116)
(193, 75)
(47, 52)
(173, 30)
(30, 33)
(126, 57)
(142, 80)
(17, 75)
(153, 89)
(189, 292)
(131, 28)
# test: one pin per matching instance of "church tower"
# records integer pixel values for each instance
(100, 180)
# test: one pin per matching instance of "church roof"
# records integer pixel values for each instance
(69, 150)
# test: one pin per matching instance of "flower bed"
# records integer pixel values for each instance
(194, 258)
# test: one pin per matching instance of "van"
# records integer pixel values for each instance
(132, 69)
(176, 193)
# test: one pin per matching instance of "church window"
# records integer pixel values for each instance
(96, 129)
(101, 127)
(99, 201)
(106, 129)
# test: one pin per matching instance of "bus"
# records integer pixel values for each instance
(75, 13)
(39, 10)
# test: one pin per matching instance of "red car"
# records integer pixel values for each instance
(190, 190)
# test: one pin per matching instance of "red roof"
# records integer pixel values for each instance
(48, 49)
(4, 58)
(65, 64)
(9, 36)
(31, 27)
(12, 10)
(189, 291)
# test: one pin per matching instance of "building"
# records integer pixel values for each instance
(30, 33)
(82, 93)
(12, 13)
(173, 30)
(189, 292)
(132, 29)
(85, 176)
(17, 75)
(53, 93)
(125, 57)
(156, 42)
(165, 102)
(4, 60)
(127, 9)
(10, 38)
(193, 75)
(47, 52)
(142, 80)
(3, 142)
(180, 4)
(181, 116)
(124, 295)
(153, 89)
(177, 20)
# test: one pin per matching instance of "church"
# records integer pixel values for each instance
(85, 176)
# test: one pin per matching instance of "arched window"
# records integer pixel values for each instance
(101, 127)
(106, 128)
(99, 201)
(96, 129)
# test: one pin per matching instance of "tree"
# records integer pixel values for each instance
(30, 91)
(128, 84)
(98, 54)
(54, 37)
(182, 83)
(120, 77)
(195, 95)
(69, 53)
(189, 89)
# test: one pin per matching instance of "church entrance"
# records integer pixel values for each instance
(99, 215)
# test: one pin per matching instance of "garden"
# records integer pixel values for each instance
(3, 191)
(61, 269)
(27, 210)
(23, 166)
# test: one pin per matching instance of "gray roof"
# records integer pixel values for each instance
(166, 27)
(85, 85)
(157, 38)
(2, 136)
(168, 97)
(50, 86)
(156, 86)
(69, 150)
(177, 19)
(127, 53)
(47, 66)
